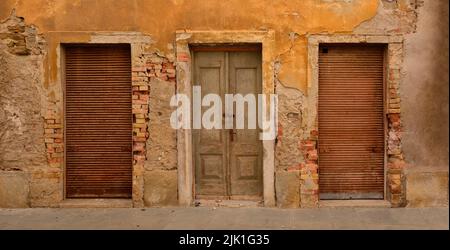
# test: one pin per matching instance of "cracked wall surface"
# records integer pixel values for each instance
(30, 94)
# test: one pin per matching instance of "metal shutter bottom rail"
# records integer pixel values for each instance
(98, 121)
(351, 121)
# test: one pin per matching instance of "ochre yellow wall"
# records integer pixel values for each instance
(291, 21)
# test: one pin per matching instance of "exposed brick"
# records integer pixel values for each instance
(139, 79)
(394, 106)
(394, 110)
(139, 69)
(140, 139)
(140, 120)
(139, 157)
(53, 136)
(139, 83)
(293, 168)
(53, 126)
(140, 111)
(143, 87)
(140, 102)
(312, 155)
(183, 57)
(49, 131)
(141, 135)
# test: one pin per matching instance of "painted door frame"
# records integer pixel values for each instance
(184, 38)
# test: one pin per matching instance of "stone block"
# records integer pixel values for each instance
(160, 188)
(287, 189)
(427, 188)
(14, 189)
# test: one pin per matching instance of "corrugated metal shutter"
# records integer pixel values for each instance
(351, 121)
(98, 121)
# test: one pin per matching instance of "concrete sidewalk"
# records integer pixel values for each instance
(225, 218)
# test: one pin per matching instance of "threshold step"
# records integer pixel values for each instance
(355, 203)
(96, 203)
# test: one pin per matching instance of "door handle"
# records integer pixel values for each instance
(232, 133)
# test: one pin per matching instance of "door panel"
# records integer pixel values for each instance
(228, 163)
(210, 144)
(351, 122)
(245, 146)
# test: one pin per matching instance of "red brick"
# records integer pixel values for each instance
(140, 139)
(140, 111)
(140, 102)
(312, 155)
(139, 157)
(183, 57)
(139, 78)
(293, 168)
(139, 69)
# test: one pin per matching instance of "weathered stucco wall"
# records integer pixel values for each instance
(160, 19)
(31, 96)
(425, 107)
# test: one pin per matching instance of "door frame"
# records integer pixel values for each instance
(56, 84)
(392, 79)
(225, 48)
(63, 49)
(338, 196)
(185, 39)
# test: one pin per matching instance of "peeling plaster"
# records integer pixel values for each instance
(160, 19)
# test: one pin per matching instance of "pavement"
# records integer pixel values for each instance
(225, 218)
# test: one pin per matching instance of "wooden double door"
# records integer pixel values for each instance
(228, 162)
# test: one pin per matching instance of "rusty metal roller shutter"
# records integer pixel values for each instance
(351, 121)
(98, 121)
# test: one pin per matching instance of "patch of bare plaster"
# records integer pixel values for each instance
(393, 17)
(161, 145)
(23, 100)
(21, 125)
(13, 114)
(290, 111)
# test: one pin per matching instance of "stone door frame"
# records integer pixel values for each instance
(184, 69)
(395, 181)
(54, 66)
